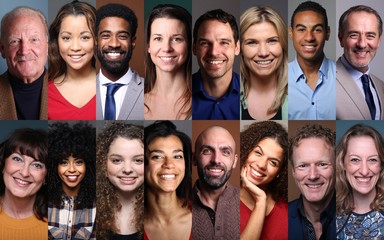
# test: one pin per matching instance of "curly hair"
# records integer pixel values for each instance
(165, 129)
(255, 133)
(32, 143)
(170, 11)
(77, 141)
(57, 65)
(108, 203)
(344, 194)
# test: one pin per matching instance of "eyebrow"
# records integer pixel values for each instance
(261, 149)
(71, 33)
(161, 151)
(315, 26)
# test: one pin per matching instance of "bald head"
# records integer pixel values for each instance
(215, 132)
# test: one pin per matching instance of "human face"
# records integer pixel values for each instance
(309, 35)
(125, 164)
(25, 47)
(168, 44)
(261, 49)
(264, 162)
(215, 157)
(114, 46)
(76, 42)
(362, 165)
(313, 169)
(360, 39)
(23, 176)
(71, 172)
(215, 49)
(166, 164)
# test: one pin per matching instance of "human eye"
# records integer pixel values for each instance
(353, 35)
(371, 36)
(116, 161)
(64, 163)
(206, 151)
(157, 39)
(79, 162)
(86, 37)
(373, 160)
(35, 40)
(38, 165)
(300, 29)
(14, 42)
(225, 43)
(156, 157)
(250, 42)
(226, 152)
(17, 159)
(138, 161)
(318, 30)
(65, 38)
(105, 35)
(323, 165)
(123, 36)
(274, 163)
(178, 39)
(179, 156)
(302, 166)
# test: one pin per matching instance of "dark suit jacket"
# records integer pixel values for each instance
(7, 101)
(133, 104)
(350, 103)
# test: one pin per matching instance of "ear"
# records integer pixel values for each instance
(340, 36)
(2, 50)
(133, 41)
(194, 48)
(290, 32)
(237, 48)
(235, 161)
(328, 33)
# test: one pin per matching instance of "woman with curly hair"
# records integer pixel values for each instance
(264, 189)
(23, 201)
(71, 181)
(168, 181)
(71, 72)
(120, 181)
(360, 184)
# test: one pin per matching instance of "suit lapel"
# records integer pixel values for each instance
(99, 109)
(130, 98)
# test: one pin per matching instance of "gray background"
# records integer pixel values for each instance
(376, 65)
(55, 5)
(7, 127)
(330, 45)
(343, 125)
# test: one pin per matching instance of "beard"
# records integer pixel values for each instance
(116, 67)
(212, 181)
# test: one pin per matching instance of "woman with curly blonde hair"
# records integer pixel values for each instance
(120, 181)
(360, 184)
(264, 189)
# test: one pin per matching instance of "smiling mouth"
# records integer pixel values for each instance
(314, 186)
(168, 176)
(264, 62)
(22, 182)
(76, 56)
(256, 173)
(363, 179)
(215, 62)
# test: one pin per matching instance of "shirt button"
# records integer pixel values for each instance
(313, 103)
(218, 228)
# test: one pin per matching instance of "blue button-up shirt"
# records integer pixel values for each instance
(205, 107)
(307, 104)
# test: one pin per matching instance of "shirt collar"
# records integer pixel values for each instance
(199, 87)
(125, 79)
(299, 74)
(328, 211)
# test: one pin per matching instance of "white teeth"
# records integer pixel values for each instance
(256, 173)
(263, 62)
(76, 57)
(113, 54)
(166, 58)
(21, 181)
(168, 176)
(314, 186)
(127, 178)
(363, 179)
(215, 62)
(72, 177)
(309, 47)
(215, 170)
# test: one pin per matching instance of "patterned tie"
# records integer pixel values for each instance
(368, 95)
(110, 107)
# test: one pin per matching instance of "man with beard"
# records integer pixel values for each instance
(360, 94)
(119, 90)
(311, 76)
(216, 88)
(215, 207)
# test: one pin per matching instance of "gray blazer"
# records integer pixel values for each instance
(350, 103)
(133, 105)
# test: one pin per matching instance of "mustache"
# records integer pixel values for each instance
(24, 58)
(113, 49)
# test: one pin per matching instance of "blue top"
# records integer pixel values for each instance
(307, 104)
(205, 107)
(300, 228)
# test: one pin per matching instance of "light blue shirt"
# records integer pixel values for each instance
(307, 104)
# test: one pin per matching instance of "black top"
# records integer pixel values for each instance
(133, 236)
(246, 116)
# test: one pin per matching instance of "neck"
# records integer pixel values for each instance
(80, 74)
(310, 67)
(209, 196)
(216, 87)
(18, 207)
(71, 191)
(114, 77)
(263, 83)
(171, 84)
(127, 198)
(313, 210)
(161, 206)
(362, 202)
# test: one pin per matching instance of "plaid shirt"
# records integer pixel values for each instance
(70, 220)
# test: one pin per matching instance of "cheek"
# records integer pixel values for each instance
(139, 169)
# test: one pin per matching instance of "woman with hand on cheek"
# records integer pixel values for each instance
(71, 181)
(264, 189)
(120, 182)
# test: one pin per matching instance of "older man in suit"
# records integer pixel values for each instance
(24, 46)
(360, 94)
(119, 90)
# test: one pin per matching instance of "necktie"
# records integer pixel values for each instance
(368, 95)
(110, 107)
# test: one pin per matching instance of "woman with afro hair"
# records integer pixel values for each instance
(263, 193)
(71, 181)
(120, 182)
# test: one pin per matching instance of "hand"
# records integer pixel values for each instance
(257, 193)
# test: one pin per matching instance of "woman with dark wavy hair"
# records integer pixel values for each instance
(168, 181)
(23, 201)
(71, 72)
(360, 184)
(71, 181)
(168, 61)
(264, 185)
(120, 181)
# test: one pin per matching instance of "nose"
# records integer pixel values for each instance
(75, 46)
(168, 163)
(364, 169)
(167, 46)
(127, 167)
(313, 173)
(24, 171)
(361, 42)
(24, 47)
(308, 36)
(263, 50)
(71, 167)
(262, 163)
(214, 49)
(114, 42)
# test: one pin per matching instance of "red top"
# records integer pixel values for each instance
(60, 109)
(275, 223)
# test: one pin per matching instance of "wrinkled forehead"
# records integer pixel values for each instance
(216, 136)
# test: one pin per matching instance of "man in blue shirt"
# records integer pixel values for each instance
(311, 76)
(216, 88)
(312, 155)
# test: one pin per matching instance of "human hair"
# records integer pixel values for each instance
(162, 129)
(359, 8)
(32, 143)
(108, 203)
(310, 6)
(311, 131)
(171, 11)
(256, 15)
(251, 137)
(120, 11)
(344, 195)
(220, 16)
(57, 65)
(77, 140)
(21, 11)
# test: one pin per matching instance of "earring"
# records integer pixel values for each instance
(278, 176)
